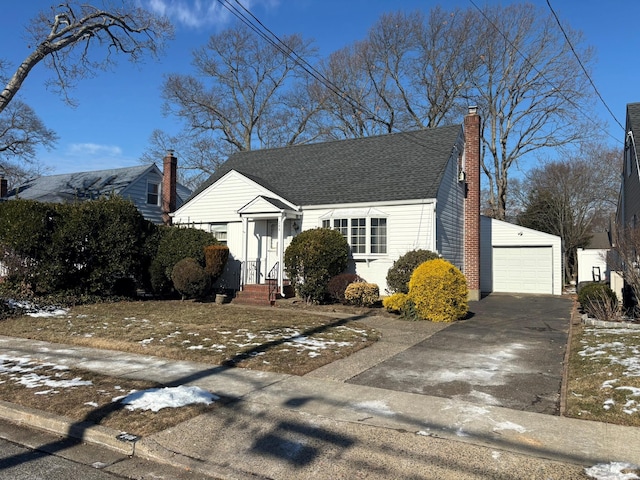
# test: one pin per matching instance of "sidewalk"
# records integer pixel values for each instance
(316, 426)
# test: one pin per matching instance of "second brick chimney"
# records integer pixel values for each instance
(472, 203)
(169, 181)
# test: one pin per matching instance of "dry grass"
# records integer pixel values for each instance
(293, 341)
(273, 339)
(94, 402)
(601, 362)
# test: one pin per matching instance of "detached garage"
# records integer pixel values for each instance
(515, 259)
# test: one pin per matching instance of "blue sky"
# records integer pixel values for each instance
(119, 109)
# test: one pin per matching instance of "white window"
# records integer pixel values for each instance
(153, 193)
(366, 235)
(219, 231)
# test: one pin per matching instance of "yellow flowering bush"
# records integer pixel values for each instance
(438, 291)
(396, 302)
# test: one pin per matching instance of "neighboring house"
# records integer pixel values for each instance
(155, 193)
(592, 260)
(628, 213)
(386, 194)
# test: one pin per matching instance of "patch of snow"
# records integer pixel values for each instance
(612, 471)
(509, 426)
(156, 399)
(377, 407)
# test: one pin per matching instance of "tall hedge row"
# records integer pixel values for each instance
(100, 247)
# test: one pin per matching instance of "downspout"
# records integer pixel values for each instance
(280, 253)
(245, 225)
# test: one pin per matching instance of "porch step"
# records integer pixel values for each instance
(258, 295)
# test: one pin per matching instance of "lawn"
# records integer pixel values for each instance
(292, 341)
(604, 375)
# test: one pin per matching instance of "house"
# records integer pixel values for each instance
(628, 211)
(155, 193)
(386, 194)
(592, 260)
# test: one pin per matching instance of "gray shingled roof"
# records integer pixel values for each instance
(400, 166)
(78, 186)
(633, 115)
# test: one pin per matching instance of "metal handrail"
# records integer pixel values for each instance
(272, 280)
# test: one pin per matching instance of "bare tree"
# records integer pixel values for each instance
(21, 130)
(410, 72)
(572, 197)
(529, 87)
(65, 35)
(241, 95)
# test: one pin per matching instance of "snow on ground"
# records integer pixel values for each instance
(23, 370)
(623, 351)
(156, 399)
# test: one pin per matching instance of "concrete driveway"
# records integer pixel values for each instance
(509, 353)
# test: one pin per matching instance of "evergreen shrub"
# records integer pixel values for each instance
(312, 258)
(175, 244)
(400, 272)
(595, 298)
(190, 279)
(362, 294)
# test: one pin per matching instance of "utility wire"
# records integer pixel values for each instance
(508, 40)
(581, 64)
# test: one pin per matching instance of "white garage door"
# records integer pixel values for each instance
(523, 269)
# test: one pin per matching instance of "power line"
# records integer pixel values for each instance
(576, 106)
(581, 64)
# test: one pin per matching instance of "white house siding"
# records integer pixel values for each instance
(219, 205)
(409, 227)
(515, 259)
(591, 262)
(450, 215)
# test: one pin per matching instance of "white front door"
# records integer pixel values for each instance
(272, 245)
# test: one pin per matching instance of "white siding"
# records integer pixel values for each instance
(409, 227)
(221, 201)
(496, 234)
(590, 259)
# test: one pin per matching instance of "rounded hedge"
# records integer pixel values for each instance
(312, 258)
(438, 290)
(190, 279)
(400, 272)
(594, 294)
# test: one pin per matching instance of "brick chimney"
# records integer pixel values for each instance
(169, 180)
(472, 203)
(3, 187)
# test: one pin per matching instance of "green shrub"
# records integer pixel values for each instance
(312, 258)
(176, 244)
(215, 257)
(362, 294)
(598, 300)
(190, 279)
(439, 291)
(339, 283)
(400, 272)
(86, 248)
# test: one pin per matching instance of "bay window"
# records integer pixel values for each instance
(365, 235)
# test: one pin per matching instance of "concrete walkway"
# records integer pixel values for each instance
(318, 426)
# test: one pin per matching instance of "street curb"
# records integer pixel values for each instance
(564, 387)
(65, 427)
